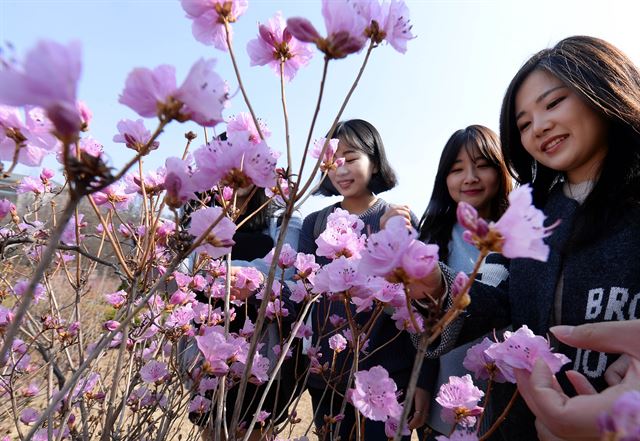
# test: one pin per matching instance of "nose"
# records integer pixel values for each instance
(341, 170)
(470, 175)
(541, 125)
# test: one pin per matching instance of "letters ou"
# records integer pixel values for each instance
(582, 363)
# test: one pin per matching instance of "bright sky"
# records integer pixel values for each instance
(454, 73)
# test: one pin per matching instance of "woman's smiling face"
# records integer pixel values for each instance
(558, 129)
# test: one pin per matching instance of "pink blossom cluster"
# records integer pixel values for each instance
(520, 232)
(329, 161)
(48, 79)
(343, 236)
(210, 17)
(520, 350)
(395, 253)
(154, 92)
(351, 24)
(459, 400)
(375, 394)
(276, 47)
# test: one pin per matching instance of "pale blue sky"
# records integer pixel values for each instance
(453, 74)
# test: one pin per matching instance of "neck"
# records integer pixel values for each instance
(360, 204)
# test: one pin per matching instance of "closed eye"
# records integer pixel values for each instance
(522, 127)
(555, 102)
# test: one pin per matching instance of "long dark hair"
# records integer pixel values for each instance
(440, 216)
(362, 135)
(608, 81)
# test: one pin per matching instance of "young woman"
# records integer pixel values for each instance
(472, 170)
(365, 173)
(569, 127)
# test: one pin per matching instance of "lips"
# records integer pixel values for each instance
(552, 143)
(472, 192)
(345, 183)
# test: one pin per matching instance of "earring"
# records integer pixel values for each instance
(534, 170)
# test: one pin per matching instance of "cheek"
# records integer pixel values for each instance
(528, 144)
(453, 186)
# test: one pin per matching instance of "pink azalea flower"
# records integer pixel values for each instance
(481, 364)
(220, 239)
(520, 350)
(521, 227)
(218, 349)
(345, 29)
(204, 94)
(259, 165)
(31, 185)
(337, 342)
(276, 309)
(342, 236)
(241, 128)
(31, 390)
(306, 265)
(6, 207)
(259, 369)
(115, 195)
(134, 135)
(20, 288)
(116, 299)
(520, 232)
(623, 421)
(178, 182)
(29, 415)
(262, 416)
(337, 321)
(33, 138)
(206, 384)
(48, 79)
(329, 161)
(154, 372)
(111, 325)
(459, 284)
(86, 115)
(304, 331)
(181, 318)
(404, 322)
(209, 17)
(387, 21)
(276, 45)
(374, 394)
(459, 399)
(147, 90)
(391, 427)
(298, 292)
(419, 259)
(248, 277)
(287, 256)
(85, 386)
(199, 404)
(338, 276)
(395, 253)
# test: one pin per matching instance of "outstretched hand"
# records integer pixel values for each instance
(560, 417)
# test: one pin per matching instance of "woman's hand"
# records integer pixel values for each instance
(561, 417)
(396, 210)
